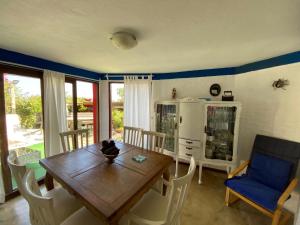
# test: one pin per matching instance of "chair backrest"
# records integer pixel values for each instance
(153, 141)
(42, 207)
(74, 136)
(279, 148)
(17, 169)
(178, 194)
(132, 135)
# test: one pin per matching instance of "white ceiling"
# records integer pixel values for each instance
(173, 35)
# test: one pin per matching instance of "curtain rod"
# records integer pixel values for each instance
(107, 76)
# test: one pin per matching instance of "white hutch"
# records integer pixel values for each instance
(207, 130)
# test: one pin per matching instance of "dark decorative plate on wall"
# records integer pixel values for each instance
(215, 89)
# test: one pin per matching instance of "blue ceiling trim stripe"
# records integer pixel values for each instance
(195, 73)
(19, 58)
(289, 58)
(286, 59)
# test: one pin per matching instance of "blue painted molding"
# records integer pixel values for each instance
(195, 73)
(286, 59)
(259, 65)
(22, 59)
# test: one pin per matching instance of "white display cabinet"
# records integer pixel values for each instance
(166, 121)
(207, 130)
(220, 139)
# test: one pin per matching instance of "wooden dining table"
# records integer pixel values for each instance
(107, 189)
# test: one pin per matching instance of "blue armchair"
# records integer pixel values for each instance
(269, 178)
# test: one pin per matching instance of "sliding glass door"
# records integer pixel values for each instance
(82, 106)
(21, 100)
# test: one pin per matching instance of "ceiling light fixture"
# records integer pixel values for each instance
(123, 40)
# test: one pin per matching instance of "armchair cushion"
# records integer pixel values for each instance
(257, 192)
(270, 171)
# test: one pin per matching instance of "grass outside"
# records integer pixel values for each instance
(38, 147)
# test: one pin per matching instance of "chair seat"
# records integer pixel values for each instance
(82, 217)
(255, 191)
(152, 206)
(65, 204)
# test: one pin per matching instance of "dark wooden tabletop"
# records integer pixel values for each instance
(109, 190)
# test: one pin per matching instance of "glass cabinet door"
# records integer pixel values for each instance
(219, 129)
(166, 123)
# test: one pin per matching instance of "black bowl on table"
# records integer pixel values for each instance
(110, 157)
(109, 150)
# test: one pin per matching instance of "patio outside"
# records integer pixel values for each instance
(117, 111)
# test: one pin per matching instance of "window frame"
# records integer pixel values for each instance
(72, 80)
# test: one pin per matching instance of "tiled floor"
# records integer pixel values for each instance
(204, 206)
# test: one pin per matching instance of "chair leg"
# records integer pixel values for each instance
(276, 217)
(227, 197)
(286, 216)
(200, 173)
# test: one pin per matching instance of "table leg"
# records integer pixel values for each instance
(166, 176)
(49, 182)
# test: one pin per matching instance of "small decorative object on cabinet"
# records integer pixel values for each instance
(227, 96)
(220, 139)
(174, 93)
(166, 122)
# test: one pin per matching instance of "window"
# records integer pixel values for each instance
(82, 106)
(21, 100)
(116, 97)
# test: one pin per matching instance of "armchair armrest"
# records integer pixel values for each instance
(239, 169)
(287, 193)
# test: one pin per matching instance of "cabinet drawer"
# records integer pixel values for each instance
(189, 142)
(188, 151)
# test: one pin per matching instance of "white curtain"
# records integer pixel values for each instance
(137, 97)
(55, 111)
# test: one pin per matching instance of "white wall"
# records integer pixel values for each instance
(191, 87)
(265, 110)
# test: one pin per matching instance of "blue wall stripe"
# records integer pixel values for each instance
(195, 73)
(286, 59)
(268, 63)
(19, 58)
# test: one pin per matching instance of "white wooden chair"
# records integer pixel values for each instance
(153, 141)
(132, 135)
(62, 200)
(163, 210)
(152, 209)
(45, 210)
(74, 136)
